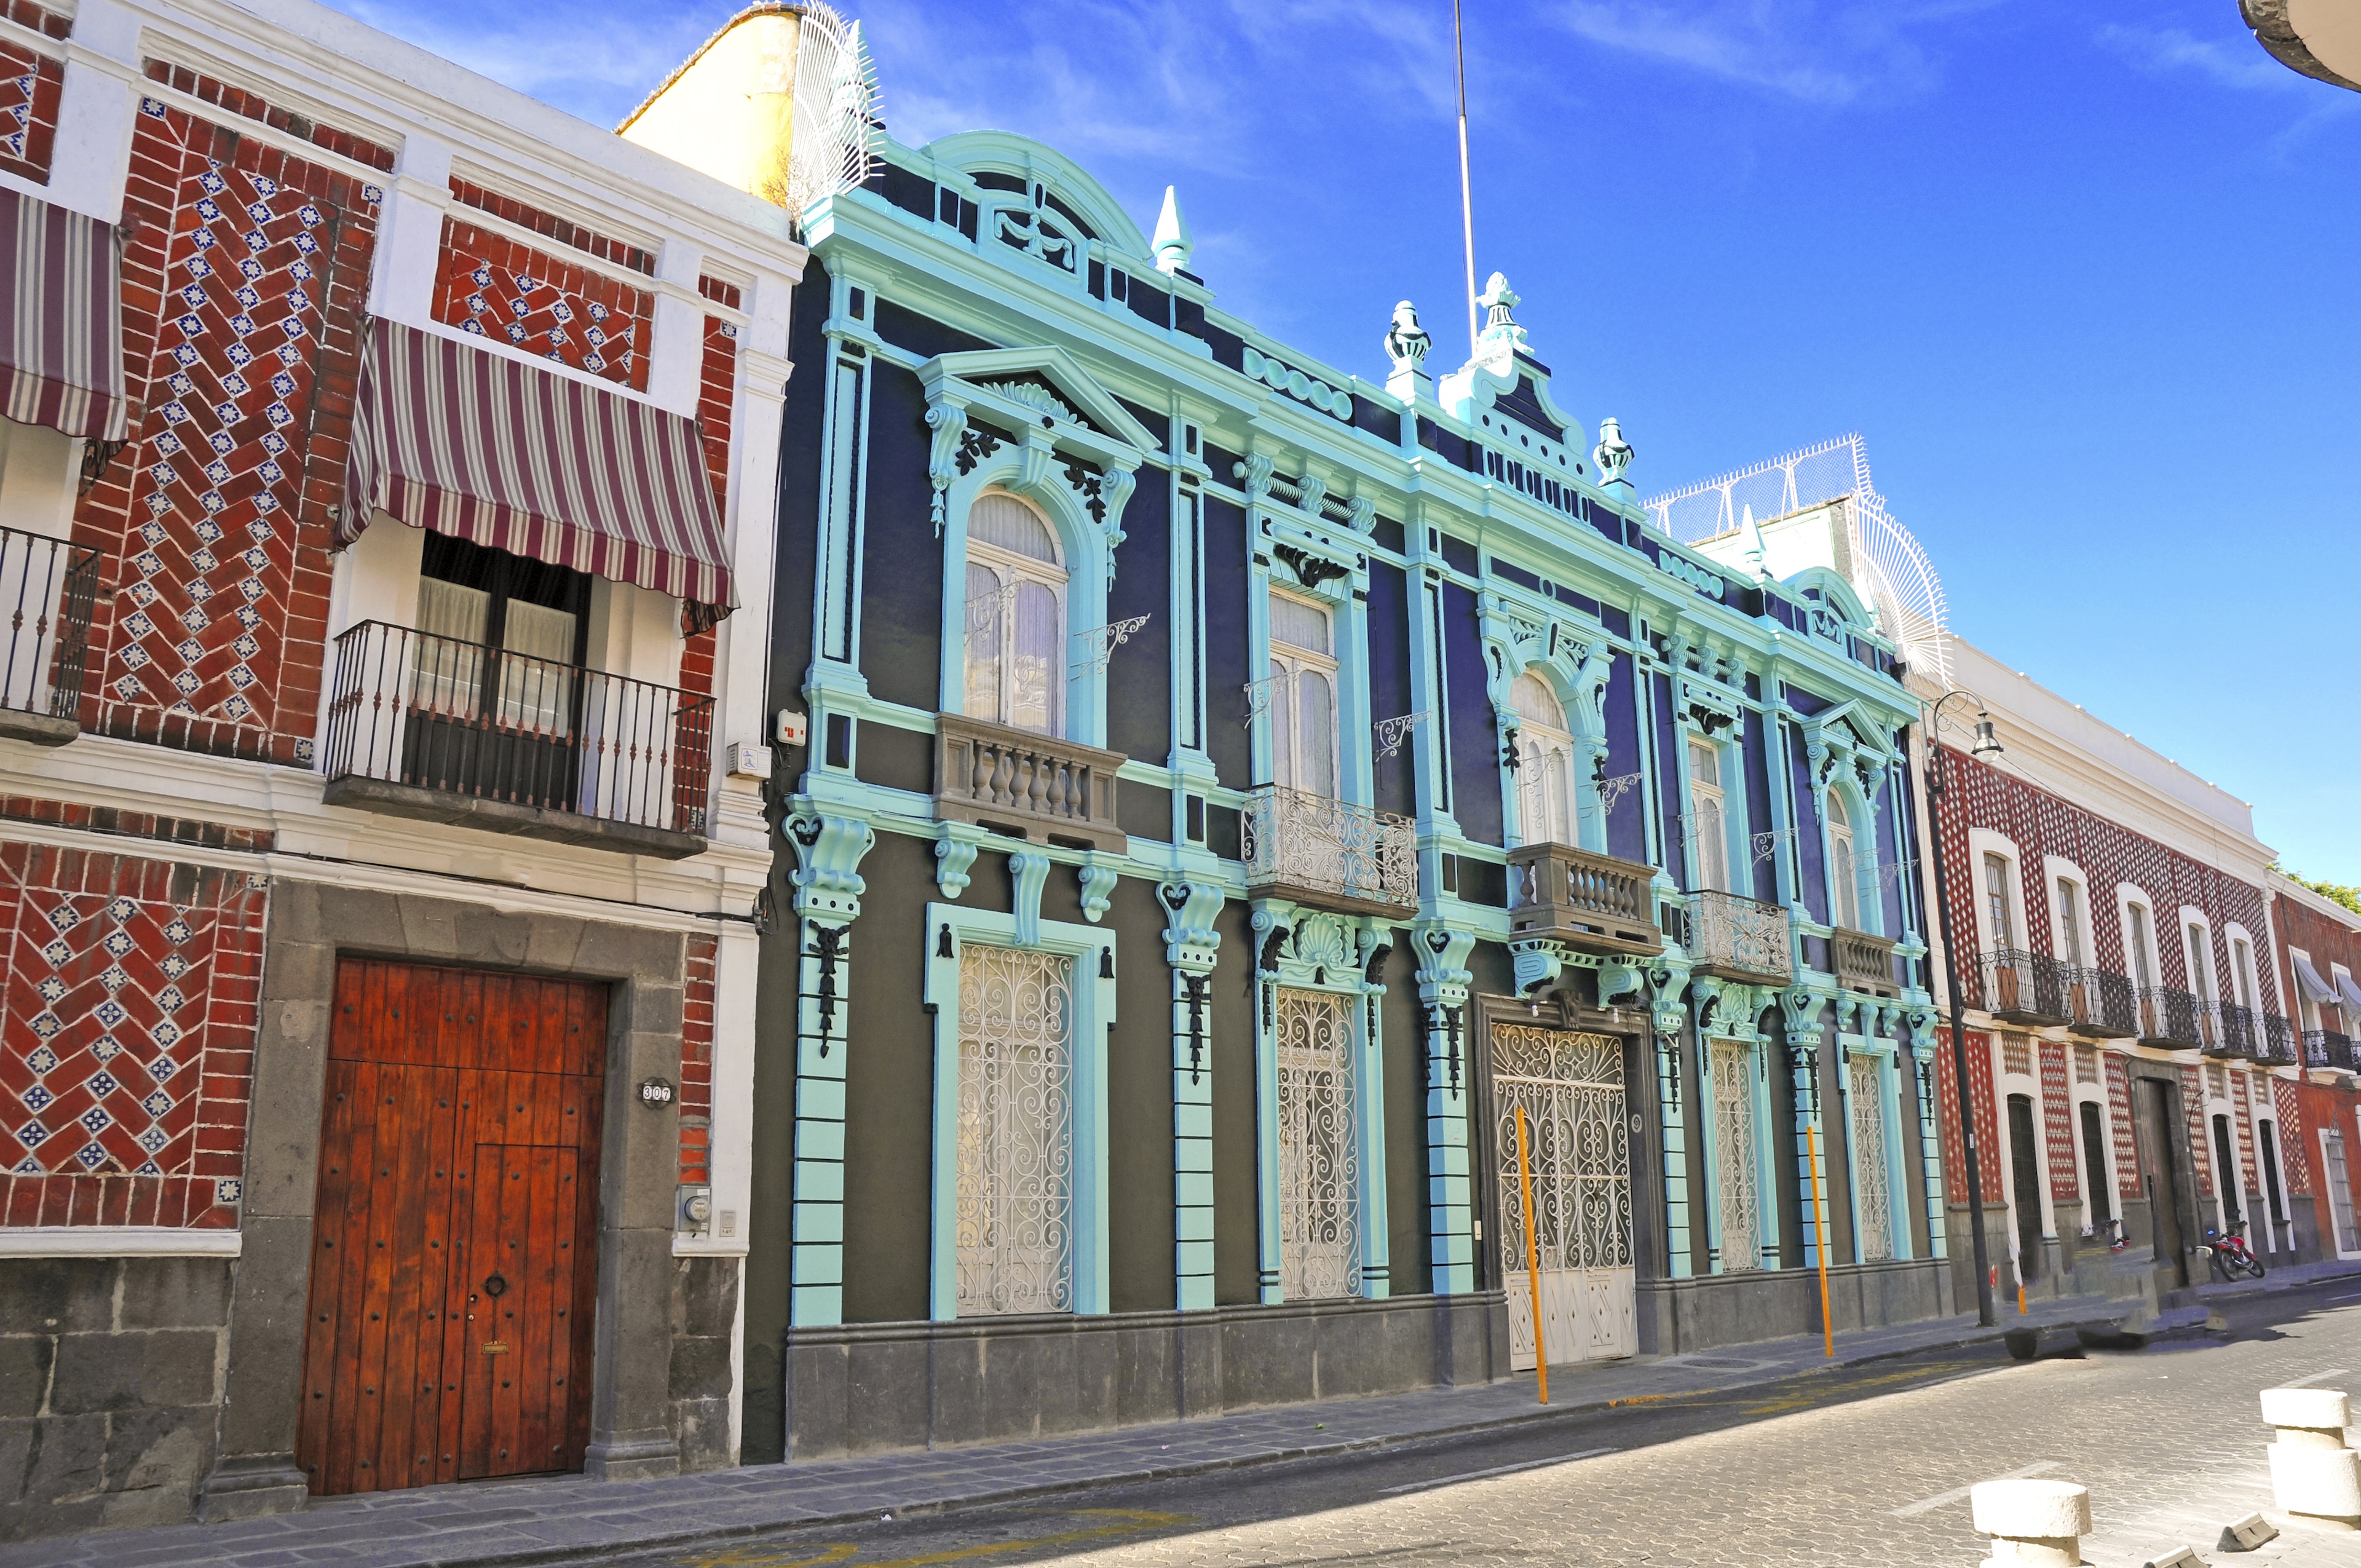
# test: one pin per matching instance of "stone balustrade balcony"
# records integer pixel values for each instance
(1864, 963)
(1592, 903)
(1027, 785)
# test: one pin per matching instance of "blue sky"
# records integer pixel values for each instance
(2084, 282)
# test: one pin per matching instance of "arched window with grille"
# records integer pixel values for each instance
(1545, 782)
(1302, 695)
(1844, 876)
(1015, 615)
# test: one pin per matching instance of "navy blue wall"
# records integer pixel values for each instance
(1396, 776)
(1475, 737)
(1139, 676)
(1226, 739)
(1627, 824)
(902, 562)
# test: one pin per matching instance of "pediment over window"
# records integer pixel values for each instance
(1040, 388)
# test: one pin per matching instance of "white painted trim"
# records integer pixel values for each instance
(2187, 915)
(2054, 869)
(1983, 841)
(2126, 894)
(118, 1241)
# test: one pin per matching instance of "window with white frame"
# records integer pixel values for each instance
(2242, 973)
(1015, 615)
(2307, 1006)
(2141, 945)
(1706, 806)
(2069, 922)
(1302, 695)
(1545, 802)
(1844, 877)
(2201, 981)
(2000, 925)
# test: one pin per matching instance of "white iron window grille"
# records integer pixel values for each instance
(1016, 1132)
(1317, 842)
(1737, 1180)
(1872, 1182)
(1570, 1087)
(1740, 933)
(1319, 1158)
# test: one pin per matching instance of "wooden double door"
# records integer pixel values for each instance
(455, 1245)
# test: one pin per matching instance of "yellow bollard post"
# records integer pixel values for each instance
(1820, 1235)
(1532, 1256)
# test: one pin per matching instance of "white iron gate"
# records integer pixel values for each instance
(1016, 1132)
(1872, 1180)
(1571, 1088)
(1737, 1176)
(1319, 1159)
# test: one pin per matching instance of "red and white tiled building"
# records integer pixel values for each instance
(2319, 963)
(2130, 1060)
(387, 492)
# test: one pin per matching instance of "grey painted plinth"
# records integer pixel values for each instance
(1679, 1316)
(876, 1387)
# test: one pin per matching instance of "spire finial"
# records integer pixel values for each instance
(1751, 548)
(1174, 240)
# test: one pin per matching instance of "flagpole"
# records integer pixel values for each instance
(1467, 201)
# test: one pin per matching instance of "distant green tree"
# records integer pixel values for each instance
(2349, 896)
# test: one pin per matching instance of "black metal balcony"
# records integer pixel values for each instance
(2240, 1031)
(2167, 1016)
(1864, 963)
(1740, 938)
(2098, 1004)
(1592, 903)
(2021, 987)
(2278, 1041)
(432, 728)
(2326, 1048)
(47, 587)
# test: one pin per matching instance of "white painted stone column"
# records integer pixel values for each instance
(97, 104)
(2315, 1477)
(409, 232)
(2034, 1524)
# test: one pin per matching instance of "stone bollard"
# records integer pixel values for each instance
(2316, 1479)
(2032, 1522)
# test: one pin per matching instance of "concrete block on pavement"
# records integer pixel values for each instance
(2312, 1409)
(2245, 1534)
(2185, 1558)
(2315, 1477)
(2032, 1522)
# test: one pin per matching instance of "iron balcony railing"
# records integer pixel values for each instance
(2240, 1032)
(1329, 853)
(47, 587)
(1864, 963)
(2020, 987)
(1039, 786)
(2326, 1048)
(2099, 1003)
(434, 714)
(1592, 903)
(1740, 938)
(2168, 1017)
(2278, 1045)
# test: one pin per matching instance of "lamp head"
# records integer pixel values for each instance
(1987, 743)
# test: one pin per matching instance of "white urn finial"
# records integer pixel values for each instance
(1406, 341)
(1613, 454)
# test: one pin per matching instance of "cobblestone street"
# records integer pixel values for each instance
(1868, 1468)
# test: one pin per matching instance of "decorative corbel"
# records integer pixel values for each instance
(1253, 472)
(1028, 868)
(1616, 982)
(827, 880)
(1115, 486)
(1361, 514)
(1309, 489)
(1193, 939)
(948, 421)
(1098, 881)
(955, 852)
(1040, 459)
(1537, 961)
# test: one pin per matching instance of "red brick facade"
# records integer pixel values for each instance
(31, 84)
(494, 287)
(697, 1064)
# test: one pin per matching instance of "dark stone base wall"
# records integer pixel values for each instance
(110, 1387)
(873, 1387)
(703, 1318)
(1678, 1316)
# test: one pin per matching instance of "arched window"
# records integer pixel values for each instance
(1706, 816)
(1015, 617)
(1302, 696)
(1545, 763)
(1842, 876)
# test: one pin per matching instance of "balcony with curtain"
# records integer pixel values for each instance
(446, 730)
(46, 590)
(1329, 853)
(2099, 1003)
(1731, 937)
(2168, 1017)
(2020, 987)
(1592, 903)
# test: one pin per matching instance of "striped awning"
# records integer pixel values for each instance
(61, 321)
(465, 442)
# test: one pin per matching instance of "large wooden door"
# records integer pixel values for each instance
(453, 1262)
(2156, 1107)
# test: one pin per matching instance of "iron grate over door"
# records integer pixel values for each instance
(1319, 1154)
(1570, 1087)
(1872, 1175)
(1015, 1227)
(1737, 1176)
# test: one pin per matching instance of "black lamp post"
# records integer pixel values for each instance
(1986, 745)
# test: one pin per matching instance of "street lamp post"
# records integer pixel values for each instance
(1987, 745)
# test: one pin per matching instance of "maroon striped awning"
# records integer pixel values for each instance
(465, 442)
(61, 321)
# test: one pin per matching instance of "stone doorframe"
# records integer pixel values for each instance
(311, 926)
(1560, 1010)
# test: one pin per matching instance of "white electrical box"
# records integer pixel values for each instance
(794, 728)
(749, 761)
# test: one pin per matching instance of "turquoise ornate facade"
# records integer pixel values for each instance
(1267, 828)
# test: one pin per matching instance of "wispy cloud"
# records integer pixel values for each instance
(2237, 64)
(587, 59)
(1816, 54)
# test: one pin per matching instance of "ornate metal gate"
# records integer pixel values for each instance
(1016, 1132)
(1571, 1087)
(1319, 1159)
(1872, 1180)
(1737, 1176)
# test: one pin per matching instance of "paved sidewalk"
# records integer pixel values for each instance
(549, 1518)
